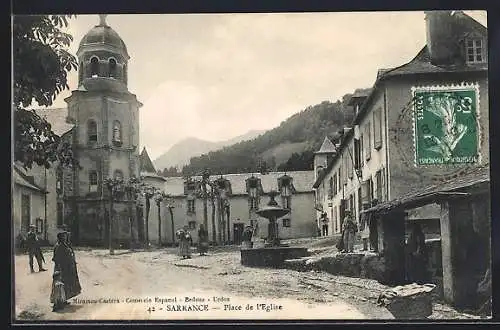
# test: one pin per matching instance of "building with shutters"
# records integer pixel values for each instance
(384, 154)
(241, 195)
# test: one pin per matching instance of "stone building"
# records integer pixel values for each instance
(101, 123)
(34, 197)
(242, 195)
(384, 153)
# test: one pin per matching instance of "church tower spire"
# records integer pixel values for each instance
(102, 20)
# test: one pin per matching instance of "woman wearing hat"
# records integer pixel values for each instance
(65, 264)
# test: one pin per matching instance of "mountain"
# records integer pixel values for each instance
(290, 146)
(180, 153)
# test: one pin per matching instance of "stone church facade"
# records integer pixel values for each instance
(105, 140)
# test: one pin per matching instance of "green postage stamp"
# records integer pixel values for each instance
(446, 125)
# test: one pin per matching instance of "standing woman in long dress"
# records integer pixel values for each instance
(202, 240)
(185, 240)
(65, 264)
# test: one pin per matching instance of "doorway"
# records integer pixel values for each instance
(237, 233)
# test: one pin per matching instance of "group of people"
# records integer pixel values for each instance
(415, 248)
(65, 281)
(186, 240)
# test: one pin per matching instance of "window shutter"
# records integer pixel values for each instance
(368, 143)
(384, 190)
(377, 129)
(365, 191)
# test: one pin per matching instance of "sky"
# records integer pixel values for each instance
(216, 76)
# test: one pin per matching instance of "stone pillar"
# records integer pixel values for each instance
(456, 229)
(392, 235)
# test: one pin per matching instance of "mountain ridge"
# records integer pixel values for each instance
(181, 152)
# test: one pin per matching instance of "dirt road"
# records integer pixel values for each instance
(216, 282)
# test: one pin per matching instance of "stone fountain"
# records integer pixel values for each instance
(273, 254)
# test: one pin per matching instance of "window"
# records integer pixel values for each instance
(340, 181)
(349, 161)
(94, 67)
(330, 189)
(368, 142)
(287, 202)
(361, 151)
(378, 182)
(93, 181)
(286, 223)
(92, 131)
(59, 181)
(192, 225)
(335, 184)
(190, 206)
(335, 218)
(117, 133)
(112, 68)
(118, 175)
(377, 129)
(60, 214)
(357, 154)
(351, 206)
(360, 201)
(39, 225)
(475, 51)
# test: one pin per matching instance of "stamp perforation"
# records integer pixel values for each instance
(464, 86)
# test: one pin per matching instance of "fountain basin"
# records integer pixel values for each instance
(273, 257)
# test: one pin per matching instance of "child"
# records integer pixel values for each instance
(58, 296)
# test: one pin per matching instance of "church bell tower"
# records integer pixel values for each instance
(105, 136)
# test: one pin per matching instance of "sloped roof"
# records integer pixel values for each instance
(20, 178)
(56, 117)
(473, 177)
(359, 94)
(422, 64)
(301, 181)
(327, 147)
(146, 165)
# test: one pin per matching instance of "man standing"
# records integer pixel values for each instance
(349, 232)
(325, 221)
(33, 246)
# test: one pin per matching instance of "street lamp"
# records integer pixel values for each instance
(115, 186)
(159, 197)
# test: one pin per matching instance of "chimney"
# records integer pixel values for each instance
(441, 41)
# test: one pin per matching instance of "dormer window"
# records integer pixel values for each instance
(475, 51)
(117, 133)
(112, 68)
(92, 131)
(94, 67)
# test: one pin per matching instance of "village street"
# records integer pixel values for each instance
(162, 274)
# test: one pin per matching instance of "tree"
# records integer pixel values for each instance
(41, 66)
